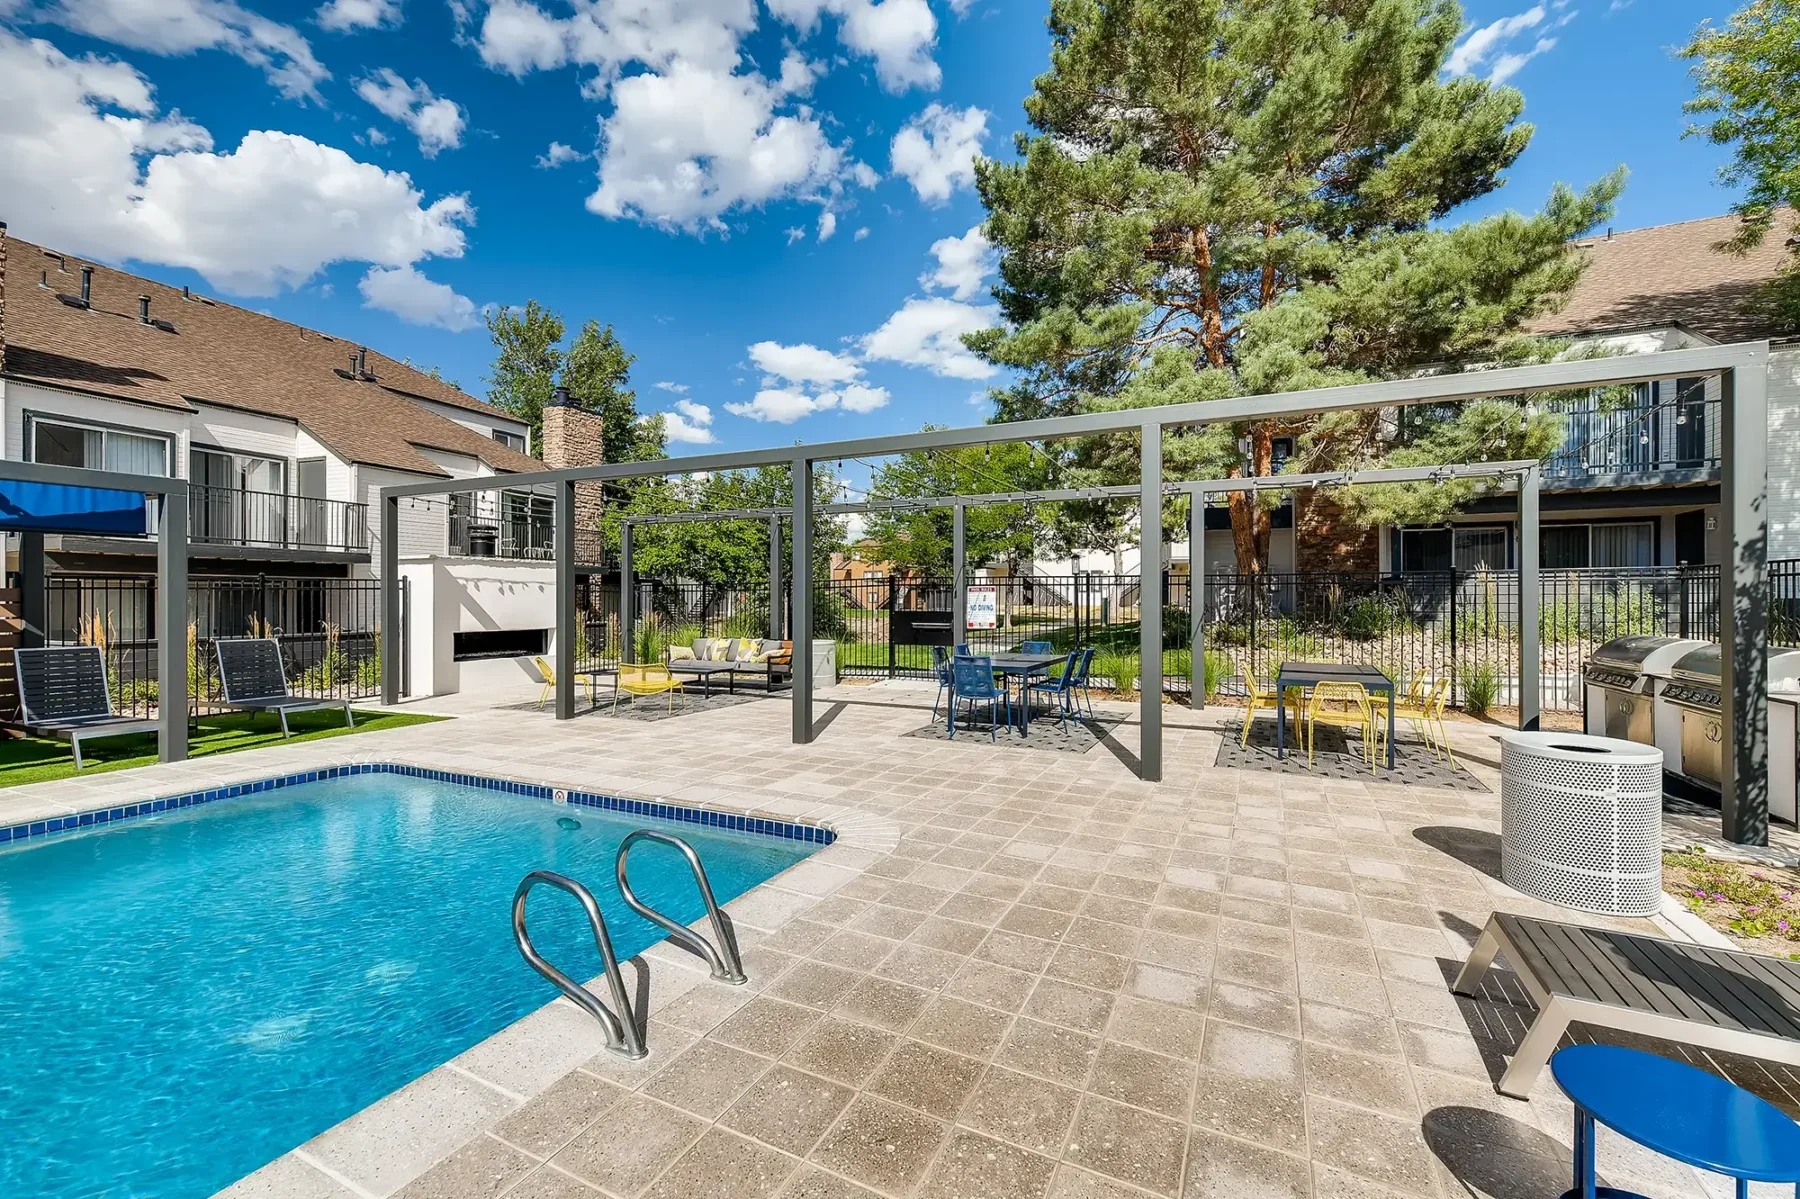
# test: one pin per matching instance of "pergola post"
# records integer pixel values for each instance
(1744, 600)
(33, 603)
(172, 626)
(627, 596)
(1530, 595)
(775, 578)
(565, 600)
(959, 575)
(1150, 631)
(390, 599)
(1197, 600)
(802, 617)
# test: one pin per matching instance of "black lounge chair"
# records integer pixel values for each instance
(63, 693)
(253, 678)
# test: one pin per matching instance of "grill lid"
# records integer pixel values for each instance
(1700, 666)
(1624, 661)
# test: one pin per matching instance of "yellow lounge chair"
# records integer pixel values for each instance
(647, 679)
(1356, 713)
(1263, 699)
(548, 673)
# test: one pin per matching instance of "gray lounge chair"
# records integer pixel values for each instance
(254, 680)
(1721, 999)
(63, 693)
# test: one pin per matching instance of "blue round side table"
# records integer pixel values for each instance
(1678, 1110)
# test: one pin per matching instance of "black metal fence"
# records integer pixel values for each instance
(329, 630)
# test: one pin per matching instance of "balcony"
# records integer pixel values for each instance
(531, 537)
(1671, 442)
(224, 516)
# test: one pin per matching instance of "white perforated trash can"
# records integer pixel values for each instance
(1581, 821)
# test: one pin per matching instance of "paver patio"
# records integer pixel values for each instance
(1026, 974)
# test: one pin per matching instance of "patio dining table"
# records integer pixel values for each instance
(1310, 674)
(1024, 666)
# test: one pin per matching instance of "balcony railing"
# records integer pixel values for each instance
(510, 537)
(271, 520)
(1638, 439)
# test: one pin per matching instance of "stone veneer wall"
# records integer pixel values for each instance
(1325, 539)
(574, 437)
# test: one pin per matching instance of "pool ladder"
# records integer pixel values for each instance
(623, 1026)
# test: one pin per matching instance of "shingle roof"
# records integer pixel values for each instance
(221, 354)
(1671, 274)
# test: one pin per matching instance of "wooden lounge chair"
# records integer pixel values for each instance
(1720, 999)
(254, 680)
(63, 693)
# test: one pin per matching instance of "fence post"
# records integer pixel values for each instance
(1453, 590)
(893, 589)
(1681, 576)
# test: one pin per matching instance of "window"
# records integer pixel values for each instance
(512, 441)
(1574, 547)
(238, 472)
(57, 444)
(1465, 549)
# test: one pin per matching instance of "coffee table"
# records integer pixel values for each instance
(1676, 1109)
(705, 671)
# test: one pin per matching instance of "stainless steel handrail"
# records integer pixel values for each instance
(622, 1036)
(724, 962)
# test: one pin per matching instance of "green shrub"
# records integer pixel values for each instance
(1217, 667)
(1481, 687)
(1367, 617)
(1121, 668)
(753, 623)
(1177, 664)
(1623, 611)
(1228, 634)
(1559, 622)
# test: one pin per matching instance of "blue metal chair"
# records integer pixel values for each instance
(1061, 687)
(940, 665)
(1036, 647)
(962, 650)
(972, 679)
(1080, 681)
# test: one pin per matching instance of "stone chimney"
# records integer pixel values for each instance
(575, 437)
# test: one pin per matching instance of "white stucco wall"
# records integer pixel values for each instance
(465, 594)
(1784, 453)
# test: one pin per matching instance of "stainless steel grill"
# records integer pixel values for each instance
(1694, 747)
(1622, 680)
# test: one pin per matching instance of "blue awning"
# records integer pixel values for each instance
(56, 508)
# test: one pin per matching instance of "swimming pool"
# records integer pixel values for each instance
(185, 996)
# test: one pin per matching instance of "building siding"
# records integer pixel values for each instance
(1784, 453)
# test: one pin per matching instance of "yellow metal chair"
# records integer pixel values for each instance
(548, 673)
(1263, 699)
(1356, 713)
(1427, 715)
(645, 679)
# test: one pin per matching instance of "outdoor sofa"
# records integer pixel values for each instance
(760, 657)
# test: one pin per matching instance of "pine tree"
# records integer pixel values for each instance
(1234, 197)
(530, 363)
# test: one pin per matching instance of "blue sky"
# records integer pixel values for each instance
(372, 168)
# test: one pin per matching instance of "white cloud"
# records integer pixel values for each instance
(963, 263)
(928, 333)
(1489, 45)
(375, 137)
(437, 122)
(174, 27)
(345, 16)
(88, 163)
(677, 388)
(898, 34)
(559, 155)
(794, 234)
(827, 224)
(861, 233)
(517, 36)
(409, 295)
(936, 150)
(785, 405)
(681, 148)
(803, 363)
(1507, 65)
(689, 422)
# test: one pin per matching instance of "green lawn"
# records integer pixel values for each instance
(34, 760)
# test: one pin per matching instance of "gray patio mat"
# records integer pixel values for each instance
(1340, 757)
(1073, 737)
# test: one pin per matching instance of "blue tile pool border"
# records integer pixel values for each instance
(812, 834)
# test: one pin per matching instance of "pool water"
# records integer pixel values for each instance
(187, 996)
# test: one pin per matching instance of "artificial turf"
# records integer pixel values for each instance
(36, 760)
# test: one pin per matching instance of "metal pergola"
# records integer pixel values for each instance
(1743, 374)
(171, 580)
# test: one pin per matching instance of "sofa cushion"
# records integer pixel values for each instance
(704, 649)
(681, 653)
